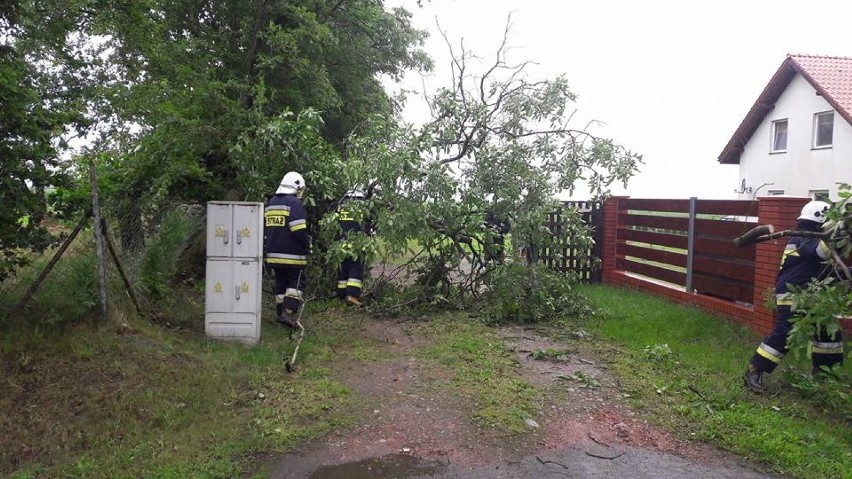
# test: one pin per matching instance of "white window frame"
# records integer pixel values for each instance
(819, 195)
(817, 116)
(775, 192)
(773, 140)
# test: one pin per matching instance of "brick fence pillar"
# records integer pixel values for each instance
(780, 212)
(610, 237)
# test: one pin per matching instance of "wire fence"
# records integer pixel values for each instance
(141, 252)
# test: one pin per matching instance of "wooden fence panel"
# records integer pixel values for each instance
(654, 237)
(564, 257)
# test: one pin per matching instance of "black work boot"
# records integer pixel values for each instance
(287, 320)
(752, 379)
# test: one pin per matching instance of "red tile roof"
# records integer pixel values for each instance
(831, 77)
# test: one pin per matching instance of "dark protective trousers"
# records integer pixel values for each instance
(827, 349)
(350, 277)
(290, 285)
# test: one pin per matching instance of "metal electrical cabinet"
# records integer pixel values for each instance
(232, 297)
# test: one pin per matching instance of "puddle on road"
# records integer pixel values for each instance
(388, 466)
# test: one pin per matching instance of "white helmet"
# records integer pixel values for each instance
(814, 211)
(354, 193)
(291, 184)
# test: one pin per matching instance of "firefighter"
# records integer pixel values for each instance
(287, 245)
(498, 229)
(803, 259)
(350, 273)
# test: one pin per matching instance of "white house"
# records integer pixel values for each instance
(797, 138)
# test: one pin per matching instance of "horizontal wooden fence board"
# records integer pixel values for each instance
(723, 268)
(664, 205)
(656, 255)
(726, 207)
(723, 247)
(655, 272)
(706, 207)
(662, 239)
(721, 228)
(648, 221)
(723, 288)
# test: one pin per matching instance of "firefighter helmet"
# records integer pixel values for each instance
(292, 184)
(354, 193)
(814, 211)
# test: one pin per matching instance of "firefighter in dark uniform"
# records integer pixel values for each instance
(498, 229)
(287, 246)
(803, 259)
(350, 273)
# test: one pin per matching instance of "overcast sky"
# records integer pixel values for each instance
(670, 79)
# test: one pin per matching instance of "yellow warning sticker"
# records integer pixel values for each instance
(220, 231)
(217, 288)
(246, 232)
(244, 287)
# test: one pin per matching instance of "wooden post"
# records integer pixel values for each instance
(127, 285)
(99, 240)
(32, 289)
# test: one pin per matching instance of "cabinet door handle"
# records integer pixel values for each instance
(237, 292)
(239, 237)
(227, 236)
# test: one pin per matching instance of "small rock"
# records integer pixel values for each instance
(532, 423)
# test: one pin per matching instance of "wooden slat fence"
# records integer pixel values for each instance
(687, 243)
(567, 256)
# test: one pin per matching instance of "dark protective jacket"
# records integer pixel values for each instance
(285, 234)
(803, 259)
(351, 217)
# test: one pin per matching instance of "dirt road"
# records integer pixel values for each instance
(417, 426)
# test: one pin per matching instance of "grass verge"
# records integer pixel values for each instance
(683, 367)
(150, 402)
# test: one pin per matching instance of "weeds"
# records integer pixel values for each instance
(159, 263)
(549, 354)
(584, 379)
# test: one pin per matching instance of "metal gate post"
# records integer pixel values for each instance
(690, 245)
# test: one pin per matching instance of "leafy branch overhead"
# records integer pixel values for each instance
(498, 145)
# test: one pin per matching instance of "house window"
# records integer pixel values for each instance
(823, 129)
(779, 136)
(819, 195)
(775, 192)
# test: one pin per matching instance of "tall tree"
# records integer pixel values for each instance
(201, 77)
(37, 113)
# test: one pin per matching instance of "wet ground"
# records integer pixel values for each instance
(418, 429)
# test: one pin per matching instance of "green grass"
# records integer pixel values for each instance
(90, 403)
(683, 368)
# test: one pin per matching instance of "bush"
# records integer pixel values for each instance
(159, 263)
(531, 294)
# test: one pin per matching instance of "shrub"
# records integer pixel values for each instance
(159, 263)
(531, 294)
